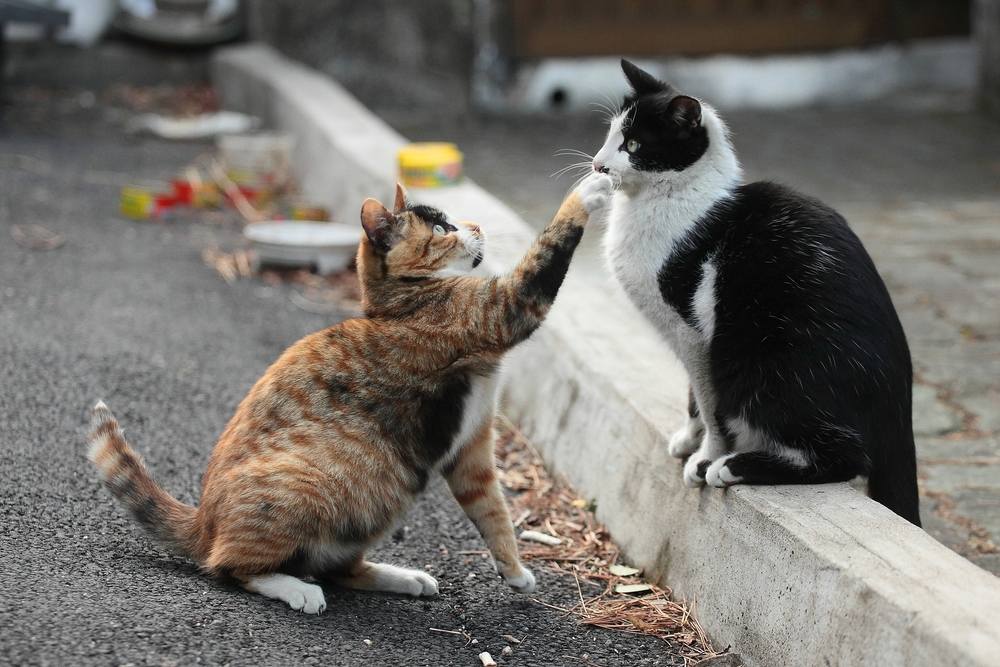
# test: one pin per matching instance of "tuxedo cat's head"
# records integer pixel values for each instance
(659, 134)
(415, 241)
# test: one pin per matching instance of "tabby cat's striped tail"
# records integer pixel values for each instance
(124, 474)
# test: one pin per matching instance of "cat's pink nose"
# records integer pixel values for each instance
(600, 168)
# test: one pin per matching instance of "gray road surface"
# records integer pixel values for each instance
(127, 312)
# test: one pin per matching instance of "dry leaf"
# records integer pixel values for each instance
(623, 570)
(633, 588)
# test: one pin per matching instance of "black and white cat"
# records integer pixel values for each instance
(799, 368)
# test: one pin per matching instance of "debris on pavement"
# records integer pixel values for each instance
(541, 538)
(629, 589)
(623, 570)
(487, 659)
(587, 552)
(202, 126)
(36, 237)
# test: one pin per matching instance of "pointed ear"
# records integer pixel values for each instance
(685, 111)
(378, 223)
(642, 82)
(400, 204)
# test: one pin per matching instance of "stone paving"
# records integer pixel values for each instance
(922, 189)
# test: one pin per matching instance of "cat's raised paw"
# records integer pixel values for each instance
(695, 469)
(595, 193)
(524, 582)
(719, 474)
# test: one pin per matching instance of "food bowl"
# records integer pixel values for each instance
(328, 246)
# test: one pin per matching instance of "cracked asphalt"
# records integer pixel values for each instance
(127, 312)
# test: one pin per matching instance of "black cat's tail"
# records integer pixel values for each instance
(893, 478)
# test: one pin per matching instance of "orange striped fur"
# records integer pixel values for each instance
(333, 443)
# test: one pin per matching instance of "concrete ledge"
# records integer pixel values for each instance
(786, 575)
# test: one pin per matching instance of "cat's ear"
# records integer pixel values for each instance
(378, 223)
(642, 82)
(685, 112)
(401, 203)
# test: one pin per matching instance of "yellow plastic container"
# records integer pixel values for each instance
(430, 165)
(136, 203)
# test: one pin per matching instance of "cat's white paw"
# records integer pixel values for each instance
(719, 474)
(420, 583)
(313, 601)
(524, 582)
(694, 470)
(685, 441)
(595, 193)
(297, 594)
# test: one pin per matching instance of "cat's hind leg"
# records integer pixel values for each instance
(367, 576)
(789, 466)
(297, 594)
(687, 439)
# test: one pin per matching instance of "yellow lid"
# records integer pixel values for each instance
(428, 155)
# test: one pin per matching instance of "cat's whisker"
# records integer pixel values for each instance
(571, 167)
(572, 152)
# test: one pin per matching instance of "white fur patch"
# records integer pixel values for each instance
(748, 439)
(480, 405)
(686, 440)
(704, 301)
(522, 583)
(719, 475)
(300, 596)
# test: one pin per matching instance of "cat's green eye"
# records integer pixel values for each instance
(439, 230)
(632, 146)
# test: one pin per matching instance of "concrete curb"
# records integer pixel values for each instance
(787, 576)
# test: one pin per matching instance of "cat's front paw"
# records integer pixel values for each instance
(595, 193)
(522, 582)
(695, 469)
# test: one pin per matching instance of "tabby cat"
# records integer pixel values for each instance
(799, 368)
(333, 443)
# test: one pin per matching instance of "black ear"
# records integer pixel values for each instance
(642, 82)
(378, 223)
(685, 111)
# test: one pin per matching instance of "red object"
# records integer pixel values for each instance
(163, 203)
(183, 192)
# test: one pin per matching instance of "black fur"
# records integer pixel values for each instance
(666, 125)
(432, 216)
(807, 346)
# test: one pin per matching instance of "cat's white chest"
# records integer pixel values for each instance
(480, 405)
(640, 239)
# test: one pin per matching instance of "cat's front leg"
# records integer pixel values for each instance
(472, 478)
(713, 446)
(687, 439)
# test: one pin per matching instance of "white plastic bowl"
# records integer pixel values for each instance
(329, 246)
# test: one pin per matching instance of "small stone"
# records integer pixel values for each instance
(368, 642)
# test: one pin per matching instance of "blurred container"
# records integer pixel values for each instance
(430, 165)
(329, 247)
(259, 161)
(142, 203)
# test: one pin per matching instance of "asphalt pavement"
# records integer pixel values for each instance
(127, 312)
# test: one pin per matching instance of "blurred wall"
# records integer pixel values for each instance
(392, 54)
(987, 27)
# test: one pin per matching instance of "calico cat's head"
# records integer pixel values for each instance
(415, 241)
(658, 134)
